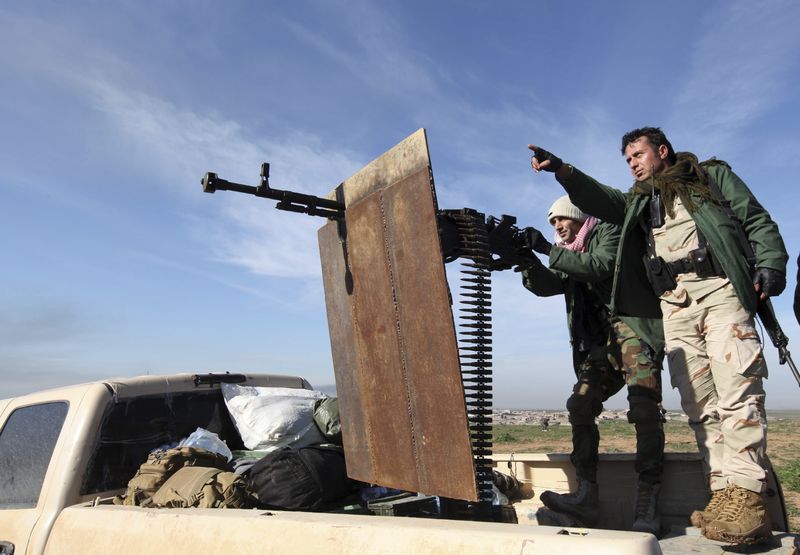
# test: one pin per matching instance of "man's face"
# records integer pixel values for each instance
(644, 160)
(566, 228)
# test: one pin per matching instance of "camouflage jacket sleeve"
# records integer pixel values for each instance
(591, 196)
(597, 264)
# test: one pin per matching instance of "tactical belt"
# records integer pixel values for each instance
(662, 274)
(699, 261)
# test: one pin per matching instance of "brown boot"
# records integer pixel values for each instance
(742, 520)
(701, 518)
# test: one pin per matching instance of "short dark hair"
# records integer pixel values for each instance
(654, 136)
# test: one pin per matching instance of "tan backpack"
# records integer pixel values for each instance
(160, 465)
(194, 486)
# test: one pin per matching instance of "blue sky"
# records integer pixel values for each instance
(115, 263)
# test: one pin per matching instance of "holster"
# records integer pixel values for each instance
(659, 275)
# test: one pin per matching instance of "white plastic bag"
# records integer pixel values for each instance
(272, 417)
(209, 441)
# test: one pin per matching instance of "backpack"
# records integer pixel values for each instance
(159, 466)
(300, 479)
(204, 487)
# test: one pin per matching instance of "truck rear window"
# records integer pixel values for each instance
(26, 445)
(131, 428)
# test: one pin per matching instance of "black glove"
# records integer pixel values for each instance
(769, 282)
(537, 241)
(541, 155)
(528, 265)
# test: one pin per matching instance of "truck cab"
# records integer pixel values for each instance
(75, 444)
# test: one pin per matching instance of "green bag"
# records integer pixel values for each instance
(195, 486)
(326, 417)
(162, 464)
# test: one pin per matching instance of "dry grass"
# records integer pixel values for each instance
(618, 436)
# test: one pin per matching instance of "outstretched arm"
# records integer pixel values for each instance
(591, 196)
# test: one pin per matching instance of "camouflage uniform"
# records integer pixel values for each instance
(713, 349)
(608, 353)
(624, 359)
(715, 362)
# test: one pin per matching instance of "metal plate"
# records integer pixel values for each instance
(393, 341)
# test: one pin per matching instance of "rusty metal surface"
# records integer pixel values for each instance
(338, 301)
(406, 158)
(394, 347)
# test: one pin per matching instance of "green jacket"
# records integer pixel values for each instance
(593, 270)
(625, 209)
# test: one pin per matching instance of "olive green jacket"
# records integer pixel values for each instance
(595, 269)
(631, 294)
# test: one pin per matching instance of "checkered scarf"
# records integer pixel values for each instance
(581, 238)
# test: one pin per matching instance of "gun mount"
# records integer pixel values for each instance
(415, 395)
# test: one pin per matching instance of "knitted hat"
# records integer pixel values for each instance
(563, 208)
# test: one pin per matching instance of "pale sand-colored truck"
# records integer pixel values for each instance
(64, 453)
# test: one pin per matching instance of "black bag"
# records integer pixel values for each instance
(300, 479)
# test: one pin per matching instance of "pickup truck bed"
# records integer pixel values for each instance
(65, 452)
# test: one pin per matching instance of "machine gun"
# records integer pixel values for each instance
(509, 246)
(484, 245)
(287, 200)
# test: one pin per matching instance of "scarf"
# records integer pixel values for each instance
(681, 179)
(581, 238)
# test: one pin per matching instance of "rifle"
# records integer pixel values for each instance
(764, 310)
(776, 335)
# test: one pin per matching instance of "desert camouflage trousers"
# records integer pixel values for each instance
(601, 372)
(716, 363)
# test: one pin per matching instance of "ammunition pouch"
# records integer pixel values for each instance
(699, 261)
(659, 275)
(662, 274)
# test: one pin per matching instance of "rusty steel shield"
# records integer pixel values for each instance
(393, 340)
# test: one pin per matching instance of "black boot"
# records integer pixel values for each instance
(584, 504)
(647, 517)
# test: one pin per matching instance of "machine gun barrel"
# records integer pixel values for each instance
(287, 200)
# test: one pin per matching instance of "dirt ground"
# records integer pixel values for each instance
(783, 448)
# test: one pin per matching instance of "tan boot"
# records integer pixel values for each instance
(701, 518)
(742, 520)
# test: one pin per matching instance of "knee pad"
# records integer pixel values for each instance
(584, 408)
(643, 410)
